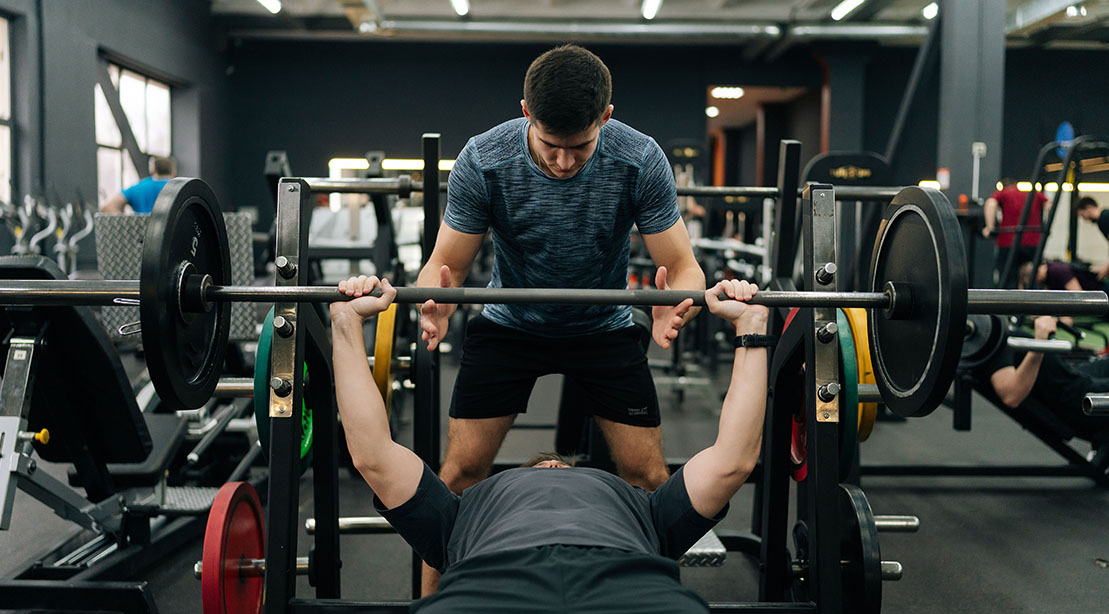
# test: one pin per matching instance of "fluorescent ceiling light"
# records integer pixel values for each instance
(930, 11)
(730, 93)
(354, 164)
(650, 8)
(462, 7)
(1076, 10)
(273, 6)
(712, 111)
(412, 164)
(843, 9)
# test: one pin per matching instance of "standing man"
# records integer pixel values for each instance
(1011, 202)
(141, 196)
(560, 189)
(1088, 209)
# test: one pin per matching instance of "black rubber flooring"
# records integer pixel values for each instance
(1002, 545)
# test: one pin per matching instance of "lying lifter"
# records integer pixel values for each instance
(550, 537)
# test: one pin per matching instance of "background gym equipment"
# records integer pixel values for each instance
(184, 297)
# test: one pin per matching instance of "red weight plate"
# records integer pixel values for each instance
(235, 531)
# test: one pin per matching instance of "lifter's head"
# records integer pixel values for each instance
(567, 90)
(549, 460)
(1087, 208)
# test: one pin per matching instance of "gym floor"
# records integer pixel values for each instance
(985, 544)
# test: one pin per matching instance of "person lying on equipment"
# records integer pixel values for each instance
(1062, 276)
(1054, 382)
(548, 535)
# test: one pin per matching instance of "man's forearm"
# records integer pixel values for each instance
(688, 277)
(741, 418)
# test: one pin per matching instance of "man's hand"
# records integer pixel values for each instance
(363, 306)
(434, 318)
(747, 319)
(986, 231)
(1102, 271)
(1045, 326)
(667, 318)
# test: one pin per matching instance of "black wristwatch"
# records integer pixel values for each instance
(755, 341)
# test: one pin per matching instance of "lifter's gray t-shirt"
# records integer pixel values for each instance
(531, 507)
(561, 233)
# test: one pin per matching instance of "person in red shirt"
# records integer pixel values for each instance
(1011, 202)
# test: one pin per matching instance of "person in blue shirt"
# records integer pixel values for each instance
(559, 189)
(140, 197)
(547, 537)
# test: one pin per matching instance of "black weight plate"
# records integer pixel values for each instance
(985, 335)
(184, 351)
(859, 551)
(919, 246)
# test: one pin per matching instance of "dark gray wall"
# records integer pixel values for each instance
(56, 46)
(318, 100)
(1042, 89)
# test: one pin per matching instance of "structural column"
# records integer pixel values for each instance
(972, 88)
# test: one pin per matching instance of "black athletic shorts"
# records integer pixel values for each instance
(500, 366)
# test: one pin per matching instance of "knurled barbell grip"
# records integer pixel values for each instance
(546, 296)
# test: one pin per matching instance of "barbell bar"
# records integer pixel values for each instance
(403, 186)
(198, 290)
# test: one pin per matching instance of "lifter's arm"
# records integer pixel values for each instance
(448, 266)
(990, 212)
(714, 474)
(1014, 384)
(391, 470)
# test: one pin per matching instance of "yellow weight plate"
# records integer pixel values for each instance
(868, 412)
(383, 353)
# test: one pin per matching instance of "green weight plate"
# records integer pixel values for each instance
(860, 553)
(849, 397)
(262, 398)
(920, 248)
(184, 348)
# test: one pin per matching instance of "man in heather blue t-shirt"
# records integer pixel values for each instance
(559, 189)
(141, 196)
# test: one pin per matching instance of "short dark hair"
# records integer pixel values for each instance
(1085, 203)
(567, 89)
(543, 457)
(164, 165)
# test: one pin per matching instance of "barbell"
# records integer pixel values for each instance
(918, 291)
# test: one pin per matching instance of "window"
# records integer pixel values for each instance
(146, 104)
(5, 113)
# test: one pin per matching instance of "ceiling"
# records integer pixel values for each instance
(752, 22)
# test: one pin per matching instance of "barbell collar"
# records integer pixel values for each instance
(1096, 405)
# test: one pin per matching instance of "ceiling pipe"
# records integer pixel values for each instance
(676, 32)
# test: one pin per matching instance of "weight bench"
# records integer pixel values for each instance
(1045, 423)
(86, 415)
